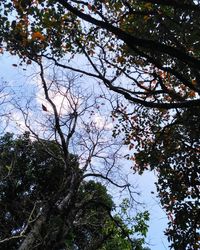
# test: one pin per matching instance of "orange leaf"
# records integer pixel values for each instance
(37, 35)
(194, 81)
(192, 94)
(120, 59)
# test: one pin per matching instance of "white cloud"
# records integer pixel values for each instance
(63, 100)
(102, 122)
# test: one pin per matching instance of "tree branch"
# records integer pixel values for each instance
(132, 40)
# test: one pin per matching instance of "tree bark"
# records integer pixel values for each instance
(34, 234)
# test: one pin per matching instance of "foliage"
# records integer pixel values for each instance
(146, 51)
(169, 145)
(32, 179)
(158, 41)
(174, 155)
(136, 225)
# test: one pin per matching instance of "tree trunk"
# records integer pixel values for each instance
(34, 234)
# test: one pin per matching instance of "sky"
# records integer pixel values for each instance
(24, 87)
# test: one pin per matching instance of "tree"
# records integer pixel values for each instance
(173, 153)
(60, 116)
(169, 146)
(32, 185)
(146, 51)
(157, 40)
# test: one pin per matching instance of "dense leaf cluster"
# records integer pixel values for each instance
(33, 183)
(174, 153)
(170, 147)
